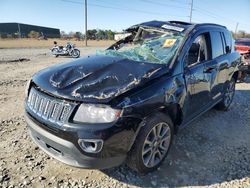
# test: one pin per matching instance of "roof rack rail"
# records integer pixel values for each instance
(180, 22)
(210, 24)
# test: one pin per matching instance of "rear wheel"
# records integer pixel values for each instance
(75, 53)
(228, 96)
(242, 76)
(152, 144)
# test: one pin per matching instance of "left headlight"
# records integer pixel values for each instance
(89, 113)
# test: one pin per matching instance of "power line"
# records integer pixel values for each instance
(216, 16)
(202, 12)
(74, 2)
(86, 16)
(196, 20)
(167, 4)
(128, 9)
(178, 2)
(119, 8)
(163, 4)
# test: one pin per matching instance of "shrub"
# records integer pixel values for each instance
(3, 35)
(33, 34)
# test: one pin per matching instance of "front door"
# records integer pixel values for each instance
(197, 80)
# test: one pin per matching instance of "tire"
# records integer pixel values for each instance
(153, 151)
(54, 51)
(75, 53)
(243, 77)
(228, 96)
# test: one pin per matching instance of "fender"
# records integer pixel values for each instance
(173, 96)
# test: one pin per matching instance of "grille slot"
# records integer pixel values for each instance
(48, 108)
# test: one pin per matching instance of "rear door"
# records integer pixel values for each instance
(217, 70)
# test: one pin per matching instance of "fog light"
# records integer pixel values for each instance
(91, 145)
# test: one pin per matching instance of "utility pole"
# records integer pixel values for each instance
(86, 36)
(191, 12)
(236, 28)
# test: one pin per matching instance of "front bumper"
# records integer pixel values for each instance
(66, 151)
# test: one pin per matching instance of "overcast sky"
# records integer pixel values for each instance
(68, 15)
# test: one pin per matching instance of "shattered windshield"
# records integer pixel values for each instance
(153, 46)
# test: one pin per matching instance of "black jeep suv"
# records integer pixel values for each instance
(126, 102)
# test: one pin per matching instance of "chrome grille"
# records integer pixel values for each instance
(48, 108)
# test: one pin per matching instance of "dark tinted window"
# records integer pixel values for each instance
(198, 52)
(228, 40)
(217, 47)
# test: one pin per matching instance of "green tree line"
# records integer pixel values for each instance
(93, 34)
(241, 34)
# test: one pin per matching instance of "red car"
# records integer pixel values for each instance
(243, 47)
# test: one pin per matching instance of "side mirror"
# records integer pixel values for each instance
(227, 49)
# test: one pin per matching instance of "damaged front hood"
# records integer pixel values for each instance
(96, 78)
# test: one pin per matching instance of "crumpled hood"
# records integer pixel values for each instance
(96, 78)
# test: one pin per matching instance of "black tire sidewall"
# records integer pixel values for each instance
(226, 106)
(77, 51)
(222, 105)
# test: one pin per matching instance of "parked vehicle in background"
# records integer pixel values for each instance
(68, 50)
(243, 47)
(127, 102)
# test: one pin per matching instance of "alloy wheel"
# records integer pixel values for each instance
(229, 93)
(156, 144)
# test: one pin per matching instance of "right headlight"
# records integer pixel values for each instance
(89, 113)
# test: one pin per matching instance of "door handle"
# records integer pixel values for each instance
(209, 69)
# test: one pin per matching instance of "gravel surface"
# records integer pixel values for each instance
(214, 151)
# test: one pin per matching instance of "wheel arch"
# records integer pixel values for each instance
(173, 111)
(235, 75)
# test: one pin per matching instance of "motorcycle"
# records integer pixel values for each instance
(68, 50)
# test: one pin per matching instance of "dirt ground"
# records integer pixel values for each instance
(213, 151)
(35, 43)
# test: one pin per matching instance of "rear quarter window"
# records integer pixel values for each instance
(228, 41)
(217, 46)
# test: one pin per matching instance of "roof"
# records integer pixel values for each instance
(27, 25)
(160, 24)
(171, 25)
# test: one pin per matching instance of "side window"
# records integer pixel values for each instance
(228, 41)
(217, 46)
(198, 52)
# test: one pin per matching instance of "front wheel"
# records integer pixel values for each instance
(228, 96)
(55, 52)
(75, 53)
(152, 144)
